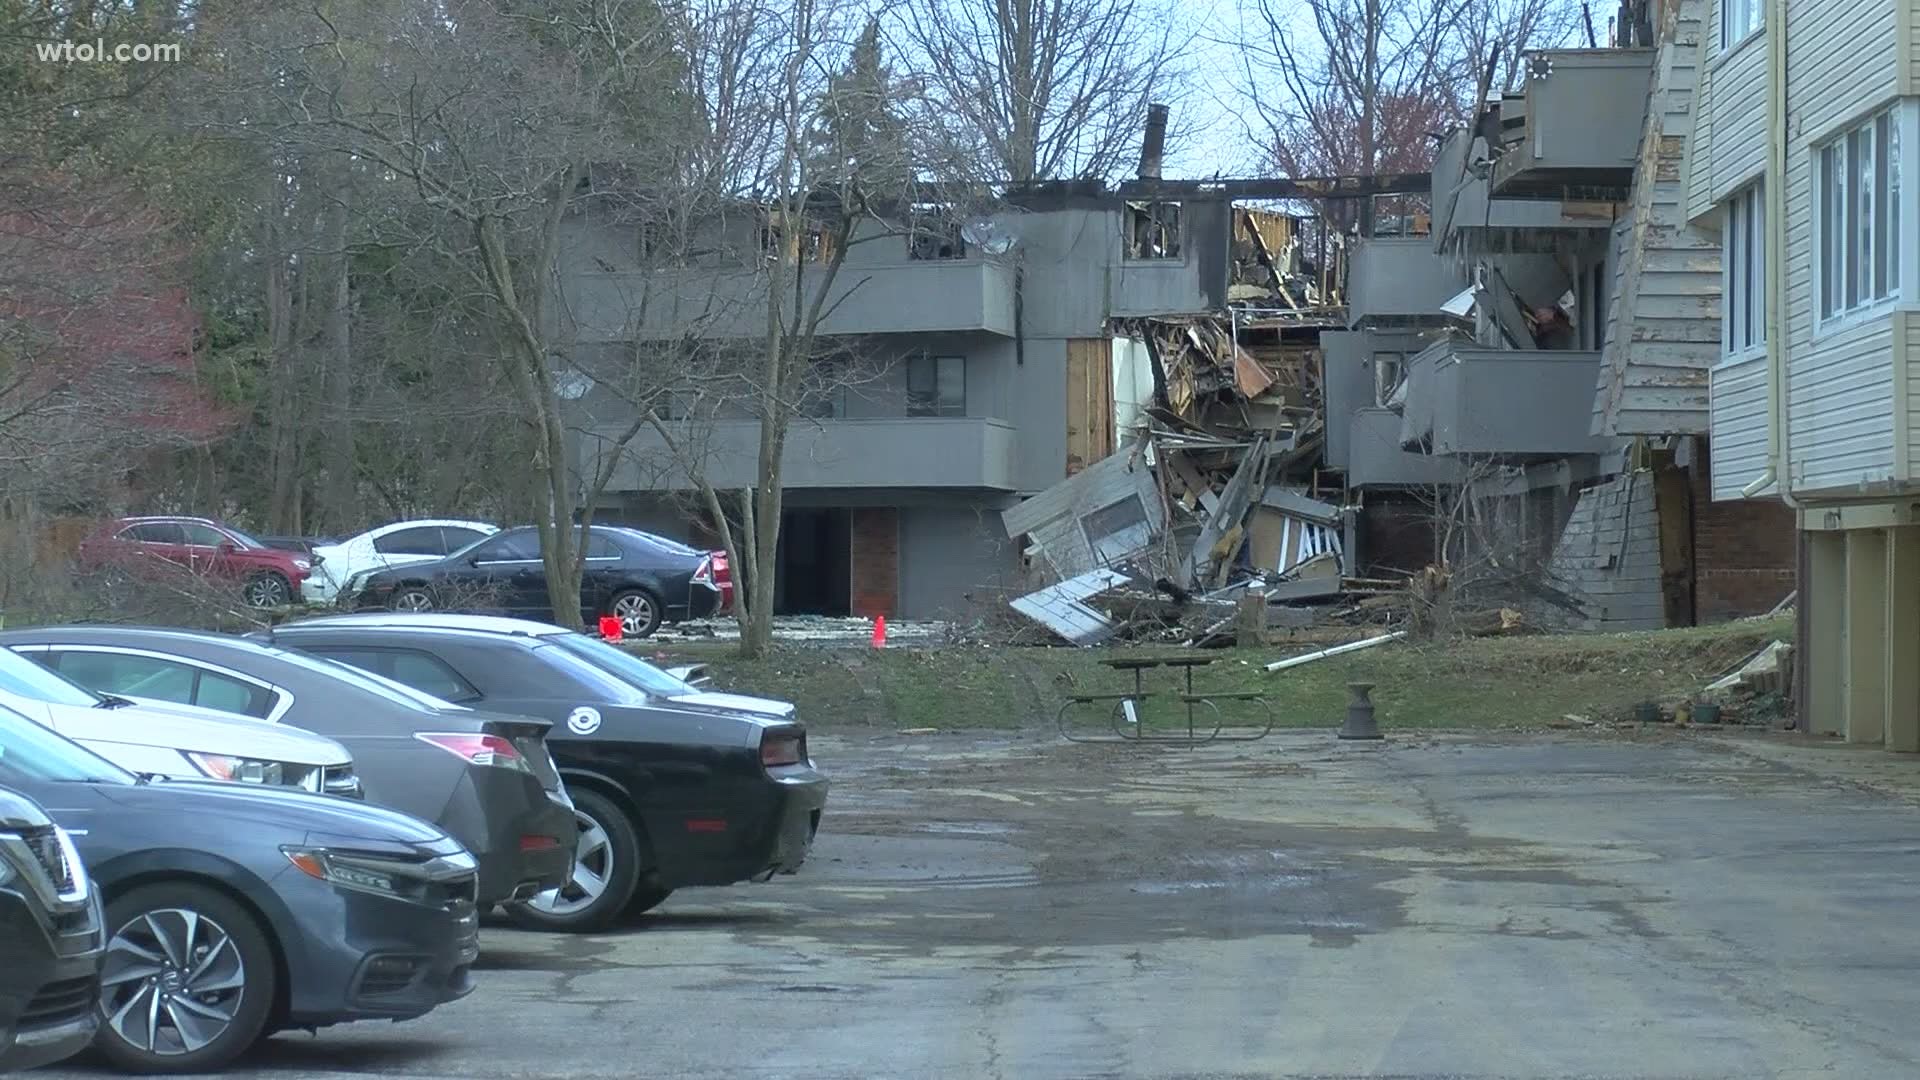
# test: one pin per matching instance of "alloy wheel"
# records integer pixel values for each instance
(592, 870)
(172, 981)
(635, 612)
(413, 600)
(266, 591)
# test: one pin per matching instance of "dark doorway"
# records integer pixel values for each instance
(816, 562)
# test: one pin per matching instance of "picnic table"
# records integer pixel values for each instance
(1124, 714)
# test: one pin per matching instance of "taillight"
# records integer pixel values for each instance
(476, 749)
(703, 574)
(779, 747)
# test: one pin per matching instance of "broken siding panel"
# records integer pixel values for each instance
(1699, 172)
(1057, 520)
(1739, 433)
(1608, 557)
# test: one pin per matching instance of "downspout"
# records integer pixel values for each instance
(1779, 472)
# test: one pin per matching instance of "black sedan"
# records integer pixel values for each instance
(641, 579)
(484, 777)
(673, 787)
(50, 940)
(234, 910)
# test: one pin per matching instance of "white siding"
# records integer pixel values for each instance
(1699, 177)
(1840, 409)
(1842, 61)
(1739, 441)
(1739, 150)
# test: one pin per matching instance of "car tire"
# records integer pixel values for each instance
(609, 853)
(645, 898)
(200, 937)
(412, 598)
(268, 590)
(639, 611)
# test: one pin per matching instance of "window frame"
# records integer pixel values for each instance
(1743, 305)
(935, 362)
(1754, 13)
(439, 540)
(1892, 231)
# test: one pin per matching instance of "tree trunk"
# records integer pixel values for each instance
(283, 423)
(340, 506)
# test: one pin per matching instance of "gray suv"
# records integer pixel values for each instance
(50, 940)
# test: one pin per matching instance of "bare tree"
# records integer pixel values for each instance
(1042, 89)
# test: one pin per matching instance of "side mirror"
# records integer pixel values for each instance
(473, 560)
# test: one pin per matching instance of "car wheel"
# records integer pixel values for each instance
(268, 590)
(412, 598)
(638, 611)
(606, 868)
(187, 982)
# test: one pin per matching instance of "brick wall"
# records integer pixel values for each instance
(876, 561)
(1743, 550)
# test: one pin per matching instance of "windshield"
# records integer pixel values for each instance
(31, 752)
(622, 664)
(23, 677)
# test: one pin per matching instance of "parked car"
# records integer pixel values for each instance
(268, 577)
(305, 545)
(402, 543)
(673, 787)
(234, 911)
(484, 777)
(177, 740)
(50, 939)
(642, 579)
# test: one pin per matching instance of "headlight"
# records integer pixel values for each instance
(344, 871)
(302, 564)
(243, 770)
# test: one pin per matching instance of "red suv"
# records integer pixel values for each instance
(269, 577)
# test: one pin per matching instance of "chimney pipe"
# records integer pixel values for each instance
(1154, 145)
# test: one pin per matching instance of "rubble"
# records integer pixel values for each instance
(812, 630)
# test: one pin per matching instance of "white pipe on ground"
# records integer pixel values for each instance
(1351, 646)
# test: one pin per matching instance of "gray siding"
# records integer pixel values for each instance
(1609, 556)
(953, 559)
(1667, 330)
(1699, 172)
(1739, 393)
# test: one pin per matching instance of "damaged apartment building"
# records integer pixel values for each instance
(989, 371)
(1524, 392)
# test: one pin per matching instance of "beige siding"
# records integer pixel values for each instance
(1739, 149)
(1739, 440)
(1840, 409)
(1841, 62)
(1912, 448)
(1910, 47)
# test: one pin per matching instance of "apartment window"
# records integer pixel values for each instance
(1858, 219)
(937, 386)
(1387, 367)
(1738, 18)
(1743, 273)
(1153, 230)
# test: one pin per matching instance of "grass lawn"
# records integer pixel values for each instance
(1511, 682)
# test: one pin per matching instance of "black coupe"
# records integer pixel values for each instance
(641, 579)
(673, 786)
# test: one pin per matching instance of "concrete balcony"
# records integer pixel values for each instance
(1511, 405)
(898, 452)
(1582, 114)
(910, 297)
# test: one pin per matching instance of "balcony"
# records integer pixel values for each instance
(911, 297)
(1394, 281)
(1513, 405)
(1376, 459)
(898, 452)
(1579, 124)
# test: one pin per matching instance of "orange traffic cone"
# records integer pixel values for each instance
(879, 631)
(610, 627)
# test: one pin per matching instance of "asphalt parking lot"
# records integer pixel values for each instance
(1539, 906)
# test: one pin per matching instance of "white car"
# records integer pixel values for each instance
(176, 741)
(402, 543)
